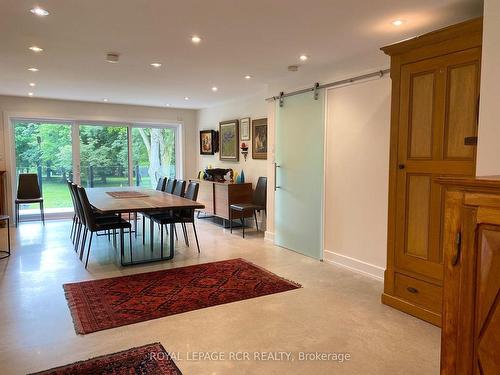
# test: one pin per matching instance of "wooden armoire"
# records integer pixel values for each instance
(434, 119)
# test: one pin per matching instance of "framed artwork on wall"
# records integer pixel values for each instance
(229, 141)
(245, 129)
(207, 142)
(259, 139)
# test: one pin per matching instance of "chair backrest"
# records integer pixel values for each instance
(86, 208)
(192, 191)
(68, 182)
(160, 186)
(78, 203)
(27, 187)
(170, 186)
(260, 193)
(180, 186)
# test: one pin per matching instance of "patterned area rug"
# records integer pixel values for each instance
(118, 301)
(149, 359)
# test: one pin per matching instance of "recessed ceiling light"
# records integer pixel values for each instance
(33, 69)
(398, 22)
(112, 57)
(214, 89)
(105, 100)
(155, 65)
(303, 57)
(186, 98)
(167, 105)
(36, 49)
(39, 11)
(195, 39)
(248, 76)
(32, 84)
(30, 94)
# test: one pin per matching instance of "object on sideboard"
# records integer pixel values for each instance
(259, 139)
(218, 174)
(229, 141)
(244, 150)
(209, 143)
(241, 178)
(245, 129)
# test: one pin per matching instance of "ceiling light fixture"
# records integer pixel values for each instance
(112, 57)
(398, 23)
(32, 84)
(33, 69)
(30, 94)
(36, 49)
(167, 105)
(303, 57)
(186, 98)
(248, 76)
(195, 39)
(105, 100)
(39, 12)
(214, 89)
(156, 65)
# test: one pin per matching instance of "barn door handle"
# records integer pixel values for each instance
(458, 248)
(276, 166)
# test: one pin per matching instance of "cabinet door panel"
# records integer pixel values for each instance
(421, 117)
(461, 121)
(418, 210)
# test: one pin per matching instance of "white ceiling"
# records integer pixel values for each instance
(257, 37)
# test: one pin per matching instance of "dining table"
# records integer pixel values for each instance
(133, 200)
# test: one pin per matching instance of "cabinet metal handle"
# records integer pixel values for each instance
(412, 290)
(458, 249)
(275, 168)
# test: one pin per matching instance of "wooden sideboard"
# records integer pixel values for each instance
(470, 339)
(218, 196)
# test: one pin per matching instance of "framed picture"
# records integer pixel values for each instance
(207, 142)
(259, 141)
(245, 129)
(229, 149)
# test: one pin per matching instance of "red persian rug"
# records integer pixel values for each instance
(149, 359)
(118, 301)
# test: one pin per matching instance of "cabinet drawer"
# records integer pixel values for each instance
(419, 292)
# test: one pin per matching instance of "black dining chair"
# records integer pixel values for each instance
(169, 188)
(95, 224)
(28, 191)
(181, 216)
(258, 203)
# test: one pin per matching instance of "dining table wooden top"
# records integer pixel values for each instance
(149, 200)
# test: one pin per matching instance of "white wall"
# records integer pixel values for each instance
(488, 151)
(357, 174)
(254, 107)
(59, 109)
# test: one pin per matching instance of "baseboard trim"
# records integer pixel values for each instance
(269, 236)
(356, 265)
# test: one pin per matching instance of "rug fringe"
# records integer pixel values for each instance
(77, 323)
(271, 273)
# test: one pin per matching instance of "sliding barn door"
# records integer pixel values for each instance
(299, 174)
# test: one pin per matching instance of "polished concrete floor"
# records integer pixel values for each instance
(336, 311)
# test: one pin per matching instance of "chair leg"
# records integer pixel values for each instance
(243, 226)
(196, 237)
(130, 239)
(151, 234)
(135, 224)
(184, 229)
(255, 216)
(42, 213)
(88, 250)
(161, 241)
(230, 220)
(122, 243)
(17, 214)
(78, 234)
(143, 229)
(175, 231)
(72, 228)
(84, 239)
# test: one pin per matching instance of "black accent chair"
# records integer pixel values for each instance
(258, 204)
(183, 216)
(179, 188)
(28, 191)
(160, 186)
(93, 224)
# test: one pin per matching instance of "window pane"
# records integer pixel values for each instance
(153, 155)
(45, 148)
(103, 155)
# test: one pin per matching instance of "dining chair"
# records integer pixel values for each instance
(75, 218)
(179, 188)
(28, 191)
(95, 224)
(181, 216)
(169, 188)
(258, 203)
